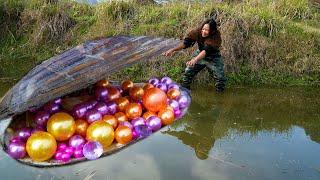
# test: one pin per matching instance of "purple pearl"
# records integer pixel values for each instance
(79, 111)
(138, 121)
(76, 140)
(62, 146)
(17, 150)
(153, 81)
(24, 133)
(173, 86)
(90, 104)
(102, 94)
(92, 150)
(162, 86)
(65, 157)
(174, 104)
(126, 123)
(58, 101)
(183, 101)
(37, 129)
(69, 150)
(112, 107)
(41, 118)
(143, 130)
(102, 108)
(78, 153)
(93, 115)
(154, 123)
(51, 107)
(166, 80)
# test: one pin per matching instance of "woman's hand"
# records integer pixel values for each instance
(192, 62)
(169, 53)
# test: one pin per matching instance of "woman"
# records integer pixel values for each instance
(209, 41)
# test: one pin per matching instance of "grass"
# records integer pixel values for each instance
(265, 42)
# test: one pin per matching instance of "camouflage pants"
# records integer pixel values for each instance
(215, 68)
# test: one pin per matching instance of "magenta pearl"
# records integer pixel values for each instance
(58, 155)
(78, 153)
(177, 113)
(69, 150)
(62, 146)
(17, 150)
(65, 157)
(134, 134)
(15, 139)
(24, 133)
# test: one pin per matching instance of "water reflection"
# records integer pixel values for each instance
(198, 131)
(246, 110)
(244, 133)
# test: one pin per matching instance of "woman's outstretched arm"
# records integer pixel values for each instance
(170, 52)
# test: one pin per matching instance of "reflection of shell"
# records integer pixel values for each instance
(78, 68)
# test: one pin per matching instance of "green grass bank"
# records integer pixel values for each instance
(265, 42)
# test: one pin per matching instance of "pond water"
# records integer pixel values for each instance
(244, 133)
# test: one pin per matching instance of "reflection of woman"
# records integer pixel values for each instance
(198, 130)
(209, 41)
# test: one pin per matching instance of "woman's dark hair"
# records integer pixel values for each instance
(212, 25)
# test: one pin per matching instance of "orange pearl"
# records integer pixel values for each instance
(148, 114)
(166, 116)
(113, 92)
(126, 85)
(81, 127)
(122, 103)
(136, 93)
(111, 120)
(147, 86)
(173, 93)
(120, 116)
(154, 99)
(133, 110)
(123, 134)
(103, 83)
